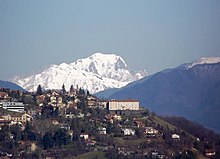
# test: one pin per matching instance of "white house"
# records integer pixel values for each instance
(102, 130)
(210, 152)
(13, 106)
(128, 132)
(151, 131)
(84, 136)
(123, 105)
(175, 136)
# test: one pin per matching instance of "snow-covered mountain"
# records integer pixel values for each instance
(203, 60)
(95, 73)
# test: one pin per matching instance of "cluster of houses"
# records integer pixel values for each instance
(68, 102)
(16, 111)
(12, 111)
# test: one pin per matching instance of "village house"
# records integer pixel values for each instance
(117, 117)
(175, 136)
(64, 126)
(54, 122)
(90, 143)
(4, 122)
(70, 132)
(92, 103)
(84, 136)
(102, 130)
(109, 118)
(60, 103)
(3, 96)
(18, 117)
(72, 104)
(209, 152)
(123, 105)
(80, 115)
(138, 123)
(149, 131)
(69, 114)
(40, 99)
(128, 132)
(102, 104)
(53, 101)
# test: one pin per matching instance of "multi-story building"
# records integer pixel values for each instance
(123, 105)
(17, 117)
(13, 106)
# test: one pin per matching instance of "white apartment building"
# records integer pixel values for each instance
(13, 106)
(123, 105)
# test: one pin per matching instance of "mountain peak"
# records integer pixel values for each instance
(107, 65)
(95, 73)
(204, 60)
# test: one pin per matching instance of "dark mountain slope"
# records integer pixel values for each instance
(10, 85)
(193, 93)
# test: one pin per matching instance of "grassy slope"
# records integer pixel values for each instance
(94, 154)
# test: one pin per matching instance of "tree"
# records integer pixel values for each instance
(27, 127)
(81, 91)
(60, 137)
(39, 90)
(71, 88)
(15, 130)
(74, 124)
(48, 140)
(63, 89)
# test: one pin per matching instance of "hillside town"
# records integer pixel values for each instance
(65, 123)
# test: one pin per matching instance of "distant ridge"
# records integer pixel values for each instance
(191, 90)
(11, 86)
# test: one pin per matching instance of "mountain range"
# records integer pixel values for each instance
(190, 90)
(95, 73)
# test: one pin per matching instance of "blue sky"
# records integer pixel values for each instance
(152, 35)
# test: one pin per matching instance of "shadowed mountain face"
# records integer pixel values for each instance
(192, 92)
(10, 85)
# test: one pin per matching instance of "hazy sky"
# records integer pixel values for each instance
(152, 35)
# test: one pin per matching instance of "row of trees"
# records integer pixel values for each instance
(59, 138)
(63, 90)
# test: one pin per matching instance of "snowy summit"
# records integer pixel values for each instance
(95, 73)
(204, 60)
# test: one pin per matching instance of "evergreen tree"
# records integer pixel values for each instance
(39, 90)
(63, 89)
(87, 93)
(60, 137)
(48, 140)
(71, 88)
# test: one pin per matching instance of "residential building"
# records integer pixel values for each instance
(123, 105)
(84, 136)
(151, 131)
(18, 117)
(175, 136)
(128, 132)
(117, 117)
(138, 123)
(3, 95)
(13, 106)
(102, 130)
(209, 152)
